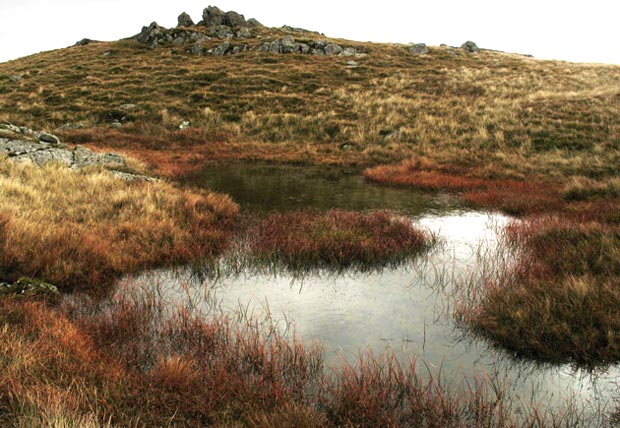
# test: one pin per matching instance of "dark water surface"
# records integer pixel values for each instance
(407, 310)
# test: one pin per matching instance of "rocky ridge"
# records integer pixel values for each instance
(21, 144)
(230, 26)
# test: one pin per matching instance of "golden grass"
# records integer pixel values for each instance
(506, 114)
(83, 230)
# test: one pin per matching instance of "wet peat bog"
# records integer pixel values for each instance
(406, 309)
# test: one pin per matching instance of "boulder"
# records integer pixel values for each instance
(213, 15)
(222, 49)
(254, 23)
(418, 49)
(470, 47)
(185, 20)
(152, 33)
(197, 49)
(234, 19)
(84, 42)
(244, 33)
(333, 49)
(48, 138)
(223, 32)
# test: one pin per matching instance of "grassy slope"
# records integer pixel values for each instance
(504, 114)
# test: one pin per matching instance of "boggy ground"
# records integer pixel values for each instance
(505, 131)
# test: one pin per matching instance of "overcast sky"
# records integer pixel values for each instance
(582, 31)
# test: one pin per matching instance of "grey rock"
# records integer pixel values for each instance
(128, 107)
(184, 20)
(184, 125)
(470, 47)
(333, 49)
(151, 33)
(48, 138)
(223, 32)
(254, 23)
(197, 49)
(419, 49)
(234, 19)
(18, 149)
(352, 64)
(28, 287)
(222, 49)
(85, 42)
(244, 33)
(16, 79)
(349, 52)
(71, 126)
(212, 16)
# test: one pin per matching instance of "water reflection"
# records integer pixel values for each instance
(408, 309)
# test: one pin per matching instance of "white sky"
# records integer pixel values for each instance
(581, 31)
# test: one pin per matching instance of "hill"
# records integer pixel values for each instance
(246, 91)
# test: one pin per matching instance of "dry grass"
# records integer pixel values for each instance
(83, 230)
(335, 240)
(558, 302)
(131, 362)
(507, 114)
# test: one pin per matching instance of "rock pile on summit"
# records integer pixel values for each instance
(231, 26)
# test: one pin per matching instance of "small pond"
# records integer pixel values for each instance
(408, 310)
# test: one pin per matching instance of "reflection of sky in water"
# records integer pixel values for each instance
(405, 309)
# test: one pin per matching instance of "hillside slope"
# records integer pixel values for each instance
(364, 104)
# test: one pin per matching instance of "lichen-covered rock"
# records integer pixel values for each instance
(288, 44)
(419, 49)
(234, 19)
(22, 144)
(470, 47)
(48, 138)
(152, 33)
(213, 15)
(184, 20)
(28, 287)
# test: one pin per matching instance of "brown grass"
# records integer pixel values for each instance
(84, 230)
(130, 362)
(335, 240)
(508, 114)
(558, 302)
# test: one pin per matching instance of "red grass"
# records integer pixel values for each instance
(335, 239)
(510, 196)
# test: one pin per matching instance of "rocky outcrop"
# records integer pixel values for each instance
(157, 36)
(230, 26)
(85, 42)
(470, 47)
(288, 45)
(419, 49)
(184, 20)
(21, 144)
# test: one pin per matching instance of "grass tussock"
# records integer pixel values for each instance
(474, 186)
(335, 240)
(84, 230)
(132, 362)
(558, 301)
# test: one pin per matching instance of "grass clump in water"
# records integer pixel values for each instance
(559, 300)
(336, 239)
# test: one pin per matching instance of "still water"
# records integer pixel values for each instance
(407, 310)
